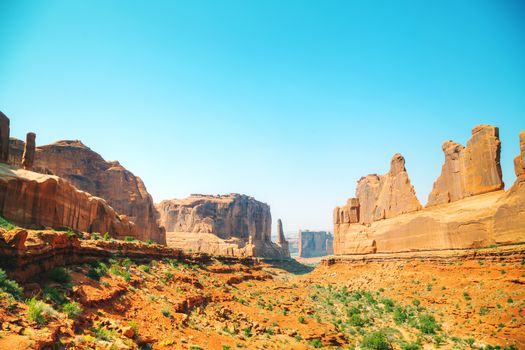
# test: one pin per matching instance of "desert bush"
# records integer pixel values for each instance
(98, 269)
(427, 324)
(410, 346)
(6, 224)
(129, 239)
(400, 315)
(59, 275)
(376, 341)
(53, 295)
(106, 236)
(316, 343)
(39, 312)
(10, 286)
(72, 309)
(166, 312)
(301, 319)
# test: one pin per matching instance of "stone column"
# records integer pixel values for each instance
(280, 233)
(4, 138)
(28, 158)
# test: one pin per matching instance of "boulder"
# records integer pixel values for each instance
(470, 170)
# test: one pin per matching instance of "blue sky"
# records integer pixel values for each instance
(288, 101)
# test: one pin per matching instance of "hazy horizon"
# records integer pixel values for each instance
(288, 102)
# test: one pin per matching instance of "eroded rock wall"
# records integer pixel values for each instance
(315, 243)
(226, 225)
(31, 199)
(470, 170)
(88, 171)
(475, 211)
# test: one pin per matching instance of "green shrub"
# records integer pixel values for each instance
(95, 236)
(98, 269)
(376, 341)
(226, 347)
(129, 239)
(10, 286)
(427, 324)
(72, 309)
(166, 312)
(59, 275)
(301, 319)
(389, 304)
(247, 331)
(106, 237)
(149, 242)
(53, 295)
(400, 315)
(6, 224)
(39, 312)
(410, 346)
(466, 296)
(145, 268)
(316, 343)
(357, 321)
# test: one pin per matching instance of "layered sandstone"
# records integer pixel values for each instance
(281, 239)
(485, 215)
(31, 199)
(470, 170)
(380, 196)
(88, 171)
(315, 243)
(231, 224)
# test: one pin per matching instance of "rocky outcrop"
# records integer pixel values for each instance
(470, 170)
(281, 239)
(30, 199)
(88, 171)
(28, 158)
(482, 217)
(4, 138)
(315, 243)
(380, 196)
(231, 224)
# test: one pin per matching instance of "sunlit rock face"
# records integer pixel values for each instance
(467, 207)
(88, 171)
(230, 224)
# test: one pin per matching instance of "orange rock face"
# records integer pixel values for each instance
(34, 200)
(470, 170)
(380, 196)
(88, 171)
(226, 225)
(479, 214)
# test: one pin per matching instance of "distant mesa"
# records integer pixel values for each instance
(232, 224)
(467, 206)
(315, 244)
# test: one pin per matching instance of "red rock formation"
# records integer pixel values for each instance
(226, 225)
(380, 196)
(34, 200)
(88, 171)
(281, 239)
(28, 158)
(474, 221)
(470, 170)
(315, 243)
(4, 138)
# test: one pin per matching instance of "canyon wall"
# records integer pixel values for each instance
(88, 171)
(31, 199)
(315, 243)
(467, 207)
(230, 224)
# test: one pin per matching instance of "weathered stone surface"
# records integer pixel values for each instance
(4, 138)
(380, 196)
(34, 200)
(226, 225)
(470, 170)
(28, 158)
(315, 243)
(281, 239)
(88, 171)
(474, 221)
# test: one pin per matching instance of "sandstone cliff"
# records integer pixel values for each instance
(226, 225)
(470, 170)
(315, 243)
(30, 199)
(88, 171)
(474, 211)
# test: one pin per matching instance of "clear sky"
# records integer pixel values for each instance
(288, 101)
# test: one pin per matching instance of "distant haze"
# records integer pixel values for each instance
(290, 102)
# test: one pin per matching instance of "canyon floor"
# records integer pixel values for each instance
(425, 301)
